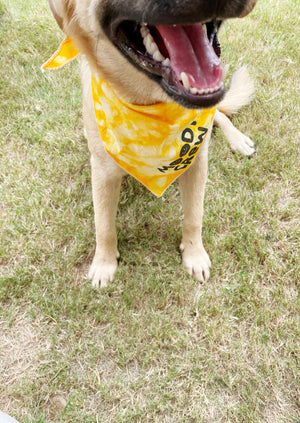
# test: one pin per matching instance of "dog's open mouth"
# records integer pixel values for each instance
(184, 59)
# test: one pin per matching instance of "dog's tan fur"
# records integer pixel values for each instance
(77, 18)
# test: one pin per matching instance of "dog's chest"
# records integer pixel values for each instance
(154, 143)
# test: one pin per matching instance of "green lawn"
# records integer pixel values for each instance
(155, 346)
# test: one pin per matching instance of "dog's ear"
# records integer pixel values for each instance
(58, 11)
(249, 7)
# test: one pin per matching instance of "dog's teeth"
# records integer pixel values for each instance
(217, 87)
(214, 33)
(193, 90)
(204, 28)
(185, 80)
(144, 31)
(209, 90)
(158, 56)
(166, 62)
(150, 44)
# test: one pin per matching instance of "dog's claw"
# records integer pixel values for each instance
(196, 262)
(102, 272)
(242, 144)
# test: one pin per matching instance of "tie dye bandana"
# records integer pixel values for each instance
(154, 143)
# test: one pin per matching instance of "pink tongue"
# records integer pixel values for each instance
(191, 52)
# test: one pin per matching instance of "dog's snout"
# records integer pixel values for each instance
(189, 11)
(170, 12)
(229, 9)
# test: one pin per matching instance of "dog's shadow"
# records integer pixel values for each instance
(147, 226)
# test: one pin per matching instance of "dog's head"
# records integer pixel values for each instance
(156, 47)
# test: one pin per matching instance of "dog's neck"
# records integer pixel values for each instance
(154, 143)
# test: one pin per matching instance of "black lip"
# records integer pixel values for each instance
(134, 51)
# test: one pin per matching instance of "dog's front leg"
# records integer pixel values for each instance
(192, 184)
(106, 189)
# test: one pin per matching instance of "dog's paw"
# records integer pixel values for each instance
(196, 261)
(242, 144)
(102, 271)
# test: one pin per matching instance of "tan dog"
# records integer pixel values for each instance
(178, 61)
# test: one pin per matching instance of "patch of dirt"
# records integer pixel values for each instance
(21, 344)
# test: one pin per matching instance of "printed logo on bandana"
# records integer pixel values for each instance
(192, 137)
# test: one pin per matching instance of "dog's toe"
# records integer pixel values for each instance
(102, 272)
(247, 146)
(196, 262)
(242, 144)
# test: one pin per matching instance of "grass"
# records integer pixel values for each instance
(155, 346)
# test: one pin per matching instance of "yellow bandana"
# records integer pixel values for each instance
(154, 143)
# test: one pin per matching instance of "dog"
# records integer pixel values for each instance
(156, 61)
